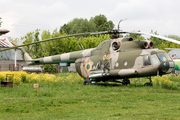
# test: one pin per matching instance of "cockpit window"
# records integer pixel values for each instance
(146, 60)
(162, 57)
(167, 56)
(155, 59)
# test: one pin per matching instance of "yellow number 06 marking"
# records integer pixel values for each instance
(106, 57)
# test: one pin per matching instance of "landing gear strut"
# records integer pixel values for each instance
(150, 83)
(125, 81)
(87, 82)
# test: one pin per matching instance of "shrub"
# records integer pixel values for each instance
(164, 82)
(23, 77)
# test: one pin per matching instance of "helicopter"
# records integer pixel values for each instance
(113, 59)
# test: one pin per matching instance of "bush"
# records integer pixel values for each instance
(23, 77)
(164, 82)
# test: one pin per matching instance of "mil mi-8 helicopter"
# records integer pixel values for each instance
(115, 58)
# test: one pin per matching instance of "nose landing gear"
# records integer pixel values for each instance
(125, 81)
(150, 83)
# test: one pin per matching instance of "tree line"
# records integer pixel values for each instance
(59, 46)
(80, 25)
(77, 25)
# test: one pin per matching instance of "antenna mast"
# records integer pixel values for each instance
(120, 22)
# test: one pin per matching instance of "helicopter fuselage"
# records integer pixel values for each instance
(115, 59)
(123, 57)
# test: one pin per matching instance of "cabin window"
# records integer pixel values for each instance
(155, 59)
(116, 64)
(146, 60)
(125, 63)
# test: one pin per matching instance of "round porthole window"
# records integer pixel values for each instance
(116, 45)
(116, 64)
(125, 63)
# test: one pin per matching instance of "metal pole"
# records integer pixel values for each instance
(15, 59)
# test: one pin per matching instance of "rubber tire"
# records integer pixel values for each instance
(87, 82)
(148, 84)
(125, 82)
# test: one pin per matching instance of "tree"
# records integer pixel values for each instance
(101, 23)
(37, 51)
(80, 25)
(33, 50)
(135, 36)
(15, 40)
(162, 44)
(29, 39)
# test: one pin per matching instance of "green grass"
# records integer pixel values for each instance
(79, 102)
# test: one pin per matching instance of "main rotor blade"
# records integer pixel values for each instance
(157, 36)
(3, 31)
(80, 34)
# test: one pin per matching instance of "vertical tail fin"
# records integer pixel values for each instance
(26, 55)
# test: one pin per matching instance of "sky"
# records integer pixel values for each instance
(23, 16)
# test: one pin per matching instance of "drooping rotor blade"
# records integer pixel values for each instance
(3, 31)
(80, 34)
(171, 48)
(157, 36)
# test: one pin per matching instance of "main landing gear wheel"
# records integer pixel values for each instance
(150, 83)
(87, 82)
(125, 81)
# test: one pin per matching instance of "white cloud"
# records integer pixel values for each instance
(158, 15)
(24, 16)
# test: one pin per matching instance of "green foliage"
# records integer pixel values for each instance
(162, 44)
(80, 25)
(50, 68)
(164, 82)
(30, 38)
(15, 41)
(136, 36)
(102, 24)
(59, 46)
(36, 47)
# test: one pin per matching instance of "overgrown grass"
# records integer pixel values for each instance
(58, 100)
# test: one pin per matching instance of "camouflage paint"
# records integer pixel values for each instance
(116, 58)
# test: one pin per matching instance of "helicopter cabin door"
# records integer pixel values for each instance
(105, 55)
(144, 64)
(105, 48)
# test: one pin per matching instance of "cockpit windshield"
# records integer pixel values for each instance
(155, 59)
(162, 57)
(167, 56)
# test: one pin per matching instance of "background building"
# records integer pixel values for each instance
(7, 58)
(174, 53)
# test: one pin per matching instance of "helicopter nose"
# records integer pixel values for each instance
(167, 67)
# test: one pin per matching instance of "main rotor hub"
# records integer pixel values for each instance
(114, 34)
